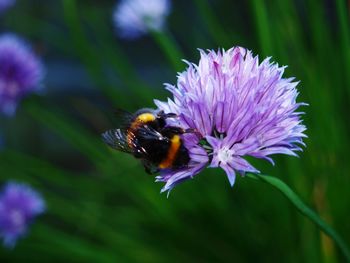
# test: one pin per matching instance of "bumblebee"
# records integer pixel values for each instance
(146, 136)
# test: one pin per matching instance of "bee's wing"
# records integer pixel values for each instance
(148, 133)
(117, 139)
(123, 118)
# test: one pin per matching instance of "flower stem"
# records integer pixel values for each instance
(170, 48)
(345, 34)
(304, 209)
(68, 129)
(216, 30)
(86, 52)
(111, 51)
(263, 26)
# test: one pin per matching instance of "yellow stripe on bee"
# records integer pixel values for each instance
(139, 121)
(174, 148)
(145, 117)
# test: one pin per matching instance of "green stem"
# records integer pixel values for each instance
(303, 209)
(89, 144)
(344, 35)
(216, 30)
(170, 48)
(263, 26)
(111, 51)
(86, 52)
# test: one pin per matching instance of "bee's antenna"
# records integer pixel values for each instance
(164, 115)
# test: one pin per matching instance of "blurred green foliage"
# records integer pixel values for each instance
(102, 207)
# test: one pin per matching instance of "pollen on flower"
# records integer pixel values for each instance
(224, 155)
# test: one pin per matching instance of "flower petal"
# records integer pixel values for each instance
(230, 172)
(242, 165)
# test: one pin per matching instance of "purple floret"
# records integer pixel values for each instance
(19, 205)
(5, 4)
(20, 72)
(134, 18)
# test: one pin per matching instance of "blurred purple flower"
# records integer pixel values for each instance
(20, 72)
(19, 205)
(134, 18)
(238, 108)
(5, 4)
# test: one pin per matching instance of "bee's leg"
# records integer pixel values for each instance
(149, 168)
(190, 130)
(170, 130)
(151, 171)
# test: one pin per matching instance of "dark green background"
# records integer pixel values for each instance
(102, 207)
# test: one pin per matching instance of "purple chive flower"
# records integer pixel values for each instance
(5, 4)
(20, 72)
(238, 107)
(19, 205)
(134, 18)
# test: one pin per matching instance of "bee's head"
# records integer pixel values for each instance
(161, 117)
